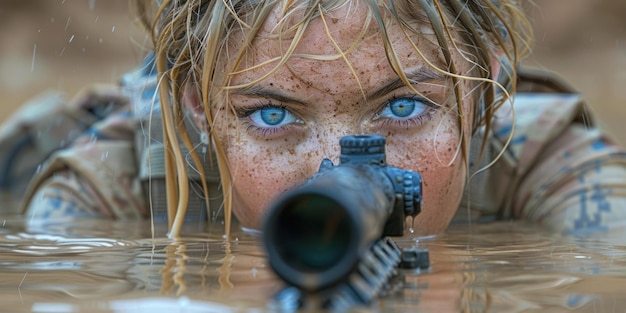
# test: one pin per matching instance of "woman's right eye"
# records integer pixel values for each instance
(272, 117)
(269, 119)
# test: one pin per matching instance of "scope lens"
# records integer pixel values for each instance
(316, 233)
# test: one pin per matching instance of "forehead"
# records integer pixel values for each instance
(342, 44)
(341, 25)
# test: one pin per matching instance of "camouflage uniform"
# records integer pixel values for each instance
(558, 170)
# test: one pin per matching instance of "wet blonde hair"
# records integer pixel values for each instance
(190, 35)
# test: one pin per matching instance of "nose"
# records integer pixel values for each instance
(328, 140)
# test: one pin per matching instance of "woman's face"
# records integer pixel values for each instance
(283, 126)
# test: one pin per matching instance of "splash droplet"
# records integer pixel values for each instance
(410, 221)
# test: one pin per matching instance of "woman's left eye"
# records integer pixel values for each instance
(405, 108)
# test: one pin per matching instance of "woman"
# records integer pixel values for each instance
(272, 85)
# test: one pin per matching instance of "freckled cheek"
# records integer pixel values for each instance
(442, 182)
(256, 181)
(442, 191)
(261, 173)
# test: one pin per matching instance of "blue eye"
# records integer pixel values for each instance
(272, 117)
(404, 108)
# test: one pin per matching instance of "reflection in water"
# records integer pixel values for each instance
(103, 266)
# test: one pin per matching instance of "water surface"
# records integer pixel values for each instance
(104, 266)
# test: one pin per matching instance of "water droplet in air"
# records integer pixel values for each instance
(113, 29)
(71, 38)
(32, 63)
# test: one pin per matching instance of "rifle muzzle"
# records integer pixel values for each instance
(316, 234)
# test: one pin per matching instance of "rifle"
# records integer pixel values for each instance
(329, 236)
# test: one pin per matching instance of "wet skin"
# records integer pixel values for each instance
(282, 127)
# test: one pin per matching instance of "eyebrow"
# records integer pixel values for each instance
(419, 75)
(261, 91)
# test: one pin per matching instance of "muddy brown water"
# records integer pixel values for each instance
(104, 266)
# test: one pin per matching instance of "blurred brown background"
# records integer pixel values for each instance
(67, 44)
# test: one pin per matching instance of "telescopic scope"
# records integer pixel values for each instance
(316, 234)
